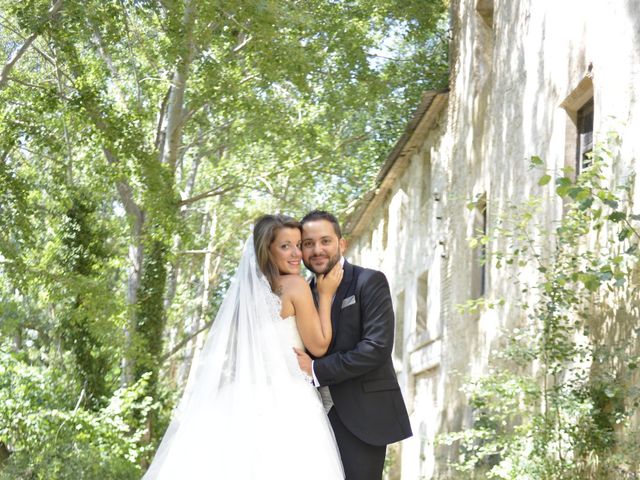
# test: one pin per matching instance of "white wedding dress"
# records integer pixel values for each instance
(248, 412)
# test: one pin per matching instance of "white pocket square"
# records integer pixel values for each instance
(349, 301)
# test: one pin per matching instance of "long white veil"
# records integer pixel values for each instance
(230, 419)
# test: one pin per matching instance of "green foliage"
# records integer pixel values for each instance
(561, 397)
(53, 437)
(82, 251)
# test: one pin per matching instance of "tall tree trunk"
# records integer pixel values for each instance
(169, 150)
(4, 452)
(150, 314)
(150, 320)
(136, 255)
(174, 271)
(176, 102)
(208, 271)
(81, 242)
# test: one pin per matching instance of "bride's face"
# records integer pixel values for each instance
(285, 251)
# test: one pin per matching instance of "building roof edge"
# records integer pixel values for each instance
(397, 160)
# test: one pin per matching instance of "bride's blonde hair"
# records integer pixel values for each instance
(265, 229)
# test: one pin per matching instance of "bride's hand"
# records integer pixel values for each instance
(328, 283)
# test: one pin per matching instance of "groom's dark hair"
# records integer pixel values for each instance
(322, 215)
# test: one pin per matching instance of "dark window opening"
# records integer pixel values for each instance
(584, 145)
(479, 256)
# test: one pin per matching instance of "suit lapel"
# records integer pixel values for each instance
(336, 306)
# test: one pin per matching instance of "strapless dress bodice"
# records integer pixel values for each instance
(288, 331)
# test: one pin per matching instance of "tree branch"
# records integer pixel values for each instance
(191, 179)
(65, 130)
(125, 192)
(108, 60)
(159, 133)
(248, 78)
(4, 76)
(44, 55)
(244, 40)
(233, 19)
(208, 194)
(178, 346)
(31, 85)
(136, 74)
(175, 108)
(220, 191)
(124, 189)
(194, 252)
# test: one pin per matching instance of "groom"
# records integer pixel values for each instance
(356, 377)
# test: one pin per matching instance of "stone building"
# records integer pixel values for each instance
(528, 78)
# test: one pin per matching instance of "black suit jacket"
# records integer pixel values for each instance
(357, 367)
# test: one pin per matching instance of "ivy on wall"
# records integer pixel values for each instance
(560, 399)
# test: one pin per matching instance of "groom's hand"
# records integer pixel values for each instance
(304, 361)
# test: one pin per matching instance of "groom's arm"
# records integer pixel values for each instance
(376, 343)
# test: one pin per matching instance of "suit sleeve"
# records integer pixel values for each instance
(376, 343)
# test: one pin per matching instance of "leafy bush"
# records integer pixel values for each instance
(52, 436)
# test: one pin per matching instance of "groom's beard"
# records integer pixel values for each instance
(332, 262)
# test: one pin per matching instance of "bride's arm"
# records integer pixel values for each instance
(315, 325)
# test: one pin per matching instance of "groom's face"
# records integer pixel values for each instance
(321, 247)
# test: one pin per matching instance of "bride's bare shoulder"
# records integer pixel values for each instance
(293, 284)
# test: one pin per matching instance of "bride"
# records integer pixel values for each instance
(248, 412)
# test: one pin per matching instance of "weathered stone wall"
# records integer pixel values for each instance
(520, 70)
